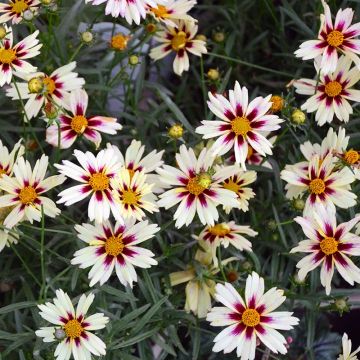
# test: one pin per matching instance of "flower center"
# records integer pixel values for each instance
(19, 6)
(129, 197)
(351, 157)
(335, 38)
(7, 56)
(27, 195)
(99, 182)
(333, 88)
(49, 85)
(114, 245)
(160, 11)
(220, 230)
(250, 317)
(179, 41)
(195, 187)
(329, 246)
(317, 186)
(73, 329)
(231, 185)
(119, 41)
(79, 124)
(2, 172)
(240, 125)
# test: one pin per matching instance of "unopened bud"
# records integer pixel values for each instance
(213, 74)
(277, 103)
(176, 131)
(247, 265)
(50, 111)
(133, 60)
(341, 304)
(298, 117)
(36, 85)
(204, 180)
(60, 334)
(151, 28)
(232, 276)
(87, 37)
(2, 32)
(219, 37)
(201, 37)
(298, 204)
(28, 15)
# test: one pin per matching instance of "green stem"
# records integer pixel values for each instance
(72, 57)
(42, 253)
(220, 264)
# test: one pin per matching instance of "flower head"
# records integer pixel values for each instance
(72, 327)
(8, 159)
(347, 354)
(14, 10)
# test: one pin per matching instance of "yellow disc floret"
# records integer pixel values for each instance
(329, 246)
(250, 317)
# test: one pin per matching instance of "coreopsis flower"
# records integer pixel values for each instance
(226, 234)
(346, 345)
(172, 10)
(78, 124)
(330, 93)
(333, 38)
(196, 187)
(323, 183)
(135, 161)
(14, 10)
(14, 57)
(24, 192)
(94, 177)
(114, 247)
(131, 10)
(238, 184)
(251, 319)
(329, 246)
(41, 89)
(133, 195)
(181, 40)
(8, 159)
(72, 328)
(242, 123)
(199, 290)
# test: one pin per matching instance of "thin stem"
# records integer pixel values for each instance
(220, 264)
(72, 57)
(42, 252)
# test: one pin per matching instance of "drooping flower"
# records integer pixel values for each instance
(24, 192)
(172, 10)
(72, 328)
(324, 184)
(329, 94)
(226, 234)
(196, 187)
(346, 345)
(329, 246)
(333, 38)
(13, 10)
(251, 319)
(77, 124)
(41, 89)
(94, 177)
(179, 39)
(14, 57)
(114, 247)
(242, 124)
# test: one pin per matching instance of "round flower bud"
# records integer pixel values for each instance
(298, 204)
(87, 37)
(247, 265)
(60, 334)
(176, 131)
(151, 28)
(31, 145)
(277, 103)
(219, 37)
(119, 42)
(341, 304)
(213, 74)
(232, 276)
(201, 37)
(272, 225)
(133, 60)
(28, 15)
(297, 280)
(204, 180)
(36, 85)
(298, 117)
(47, 2)
(2, 32)
(50, 111)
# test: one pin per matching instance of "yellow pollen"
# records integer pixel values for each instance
(178, 42)
(250, 317)
(19, 6)
(129, 197)
(160, 11)
(99, 182)
(329, 246)
(27, 195)
(49, 85)
(317, 186)
(73, 329)
(194, 187)
(231, 185)
(119, 42)
(220, 230)
(240, 125)
(333, 88)
(2, 171)
(79, 124)
(351, 157)
(335, 38)
(7, 56)
(114, 245)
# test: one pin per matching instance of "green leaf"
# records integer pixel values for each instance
(136, 339)
(17, 306)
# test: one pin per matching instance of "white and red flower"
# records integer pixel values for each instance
(25, 192)
(251, 319)
(78, 124)
(329, 246)
(179, 39)
(14, 57)
(8, 159)
(346, 353)
(114, 247)
(94, 177)
(196, 187)
(334, 37)
(14, 10)
(329, 94)
(242, 124)
(72, 328)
